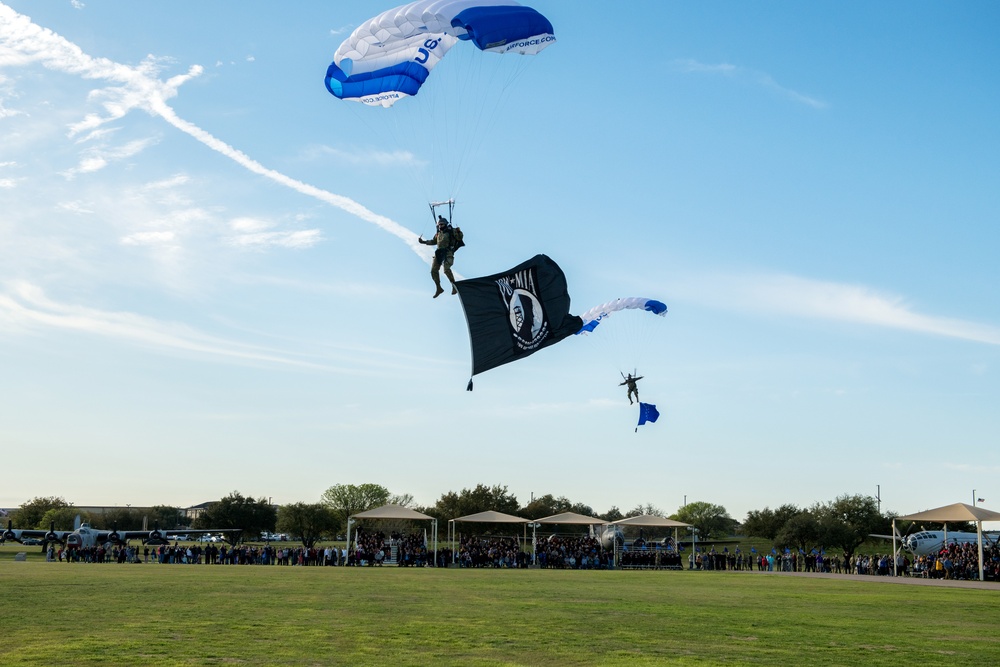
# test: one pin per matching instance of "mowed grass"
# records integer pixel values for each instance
(71, 614)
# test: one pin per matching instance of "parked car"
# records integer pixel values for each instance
(31, 541)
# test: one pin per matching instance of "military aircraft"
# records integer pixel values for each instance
(85, 536)
(930, 542)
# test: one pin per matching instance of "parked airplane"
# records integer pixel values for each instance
(930, 542)
(85, 536)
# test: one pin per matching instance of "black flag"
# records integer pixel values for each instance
(516, 313)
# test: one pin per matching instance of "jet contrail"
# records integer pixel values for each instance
(23, 42)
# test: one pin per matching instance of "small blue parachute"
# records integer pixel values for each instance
(390, 56)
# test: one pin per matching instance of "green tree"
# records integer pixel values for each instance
(767, 523)
(482, 498)
(401, 499)
(64, 518)
(309, 522)
(712, 521)
(612, 514)
(801, 532)
(346, 500)
(238, 513)
(121, 518)
(31, 515)
(547, 505)
(649, 509)
(848, 521)
(164, 516)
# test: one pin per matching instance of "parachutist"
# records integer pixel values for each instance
(447, 239)
(632, 388)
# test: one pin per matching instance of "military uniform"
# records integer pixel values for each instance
(444, 256)
(632, 388)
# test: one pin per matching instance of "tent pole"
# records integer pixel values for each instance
(895, 571)
(979, 534)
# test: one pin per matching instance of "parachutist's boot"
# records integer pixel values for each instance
(451, 279)
(454, 288)
(437, 283)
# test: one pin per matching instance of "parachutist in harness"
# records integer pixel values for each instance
(632, 389)
(448, 239)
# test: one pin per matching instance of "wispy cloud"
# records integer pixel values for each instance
(23, 42)
(254, 233)
(96, 159)
(806, 298)
(74, 207)
(24, 305)
(750, 76)
(367, 157)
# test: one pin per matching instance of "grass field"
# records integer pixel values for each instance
(71, 614)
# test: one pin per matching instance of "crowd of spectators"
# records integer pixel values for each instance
(373, 549)
(642, 555)
(956, 561)
(497, 552)
(574, 553)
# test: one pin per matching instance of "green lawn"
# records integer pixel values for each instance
(62, 614)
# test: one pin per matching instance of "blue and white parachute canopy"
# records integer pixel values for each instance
(596, 315)
(390, 56)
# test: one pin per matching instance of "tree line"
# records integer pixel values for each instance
(844, 523)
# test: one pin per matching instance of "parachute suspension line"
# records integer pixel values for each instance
(450, 203)
(498, 75)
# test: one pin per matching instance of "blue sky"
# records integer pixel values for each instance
(209, 279)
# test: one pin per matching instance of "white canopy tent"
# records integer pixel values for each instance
(396, 512)
(950, 513)
(489, 516)
(652, 521)
(563, 518)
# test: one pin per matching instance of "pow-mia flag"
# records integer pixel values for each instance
(516, 313)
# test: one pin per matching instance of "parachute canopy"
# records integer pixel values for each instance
(596, 315)
(390, 56)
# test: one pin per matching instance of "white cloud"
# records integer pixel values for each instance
(74, 207)
(367, 157)
(755, 77)
(96, 159)
(305, 238)
(167, 183)
(22, 42)
(149, 238)
(8, 113)
(7, 183)
(244, 225)
(814, 299)
(77, 4)
(25, 306)
(250, 59)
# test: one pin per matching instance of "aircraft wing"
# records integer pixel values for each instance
(18, 534)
